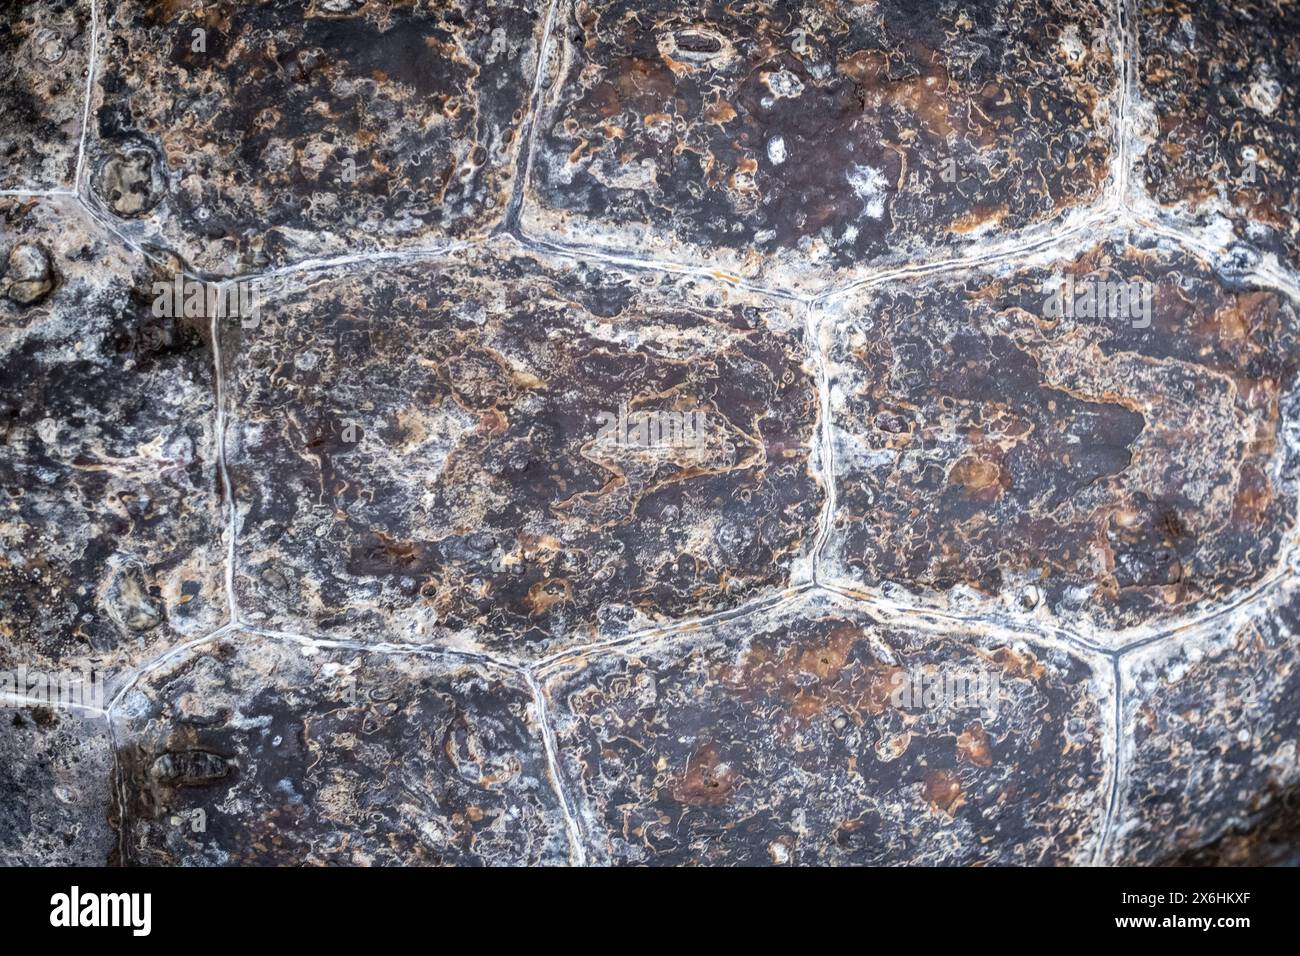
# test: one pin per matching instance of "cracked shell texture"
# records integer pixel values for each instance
(767, 138)
(111, 521)
(1069, 470)
(419, 455)
(44, 47)
(312, 129)
(779, 740)
(55, 774)
(1219, 101)
(257, 752)
(1210, 730)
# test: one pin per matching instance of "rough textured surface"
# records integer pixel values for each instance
(307, 129)
(658, 435)
(1075, 469)
(418, 455)
(258, 752)
(111, 518)
(779, 742)
(1211, 731)
(1218, 137)
(764, 138)
(44, 54)
(1270, 837)
(56, 771)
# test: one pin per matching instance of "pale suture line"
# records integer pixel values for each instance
(580, 652)
(1124, 26)
(395, 648)
(227, 486)
(1060, 238)
(359, 261)
(22, 701)
(1124, 20)
(1115, 792)
(128, 679)
(825, 438)
(891, 608)
(119, 790)
(524, 162)
(38, 193)
(550, 747)
(92, 66)
(629, 261)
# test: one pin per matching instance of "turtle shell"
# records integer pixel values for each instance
(644, 433)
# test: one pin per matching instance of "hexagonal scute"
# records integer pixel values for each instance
(261, 752)
(517, 453)
(819, 735)
(110, 532)
(1217, 142)
(802, 142)
(1103, 440)
(44, 58)
(56, 773)
(1210, 739)
(246, 135)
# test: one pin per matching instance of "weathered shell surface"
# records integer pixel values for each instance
(656, 432)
